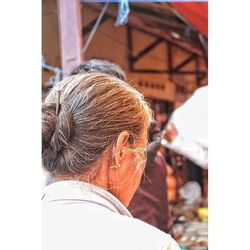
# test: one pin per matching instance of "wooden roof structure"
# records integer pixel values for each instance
(160, 20)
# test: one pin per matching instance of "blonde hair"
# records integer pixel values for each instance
(94, 109)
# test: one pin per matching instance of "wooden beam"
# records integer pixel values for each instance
(130, 48)
(155, 71)
(151, 71)
(137, 24)
(204, 45)
(203, 75)
(197, 68)
(69, 19)
(185, 62)
(170, 59)
(147, 49)
(141, 25)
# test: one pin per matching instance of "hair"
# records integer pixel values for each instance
(102, 66)
(94, 108)
(107, 67)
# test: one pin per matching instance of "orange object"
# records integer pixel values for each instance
(171, 195)
(171, 184)
(169, 170)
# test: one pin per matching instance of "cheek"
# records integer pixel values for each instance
(127, 178)
(129, 172)
(139, 168)
(143, 164)
(140, 163)
(137, 180)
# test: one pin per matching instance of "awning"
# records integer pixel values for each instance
(196, 13)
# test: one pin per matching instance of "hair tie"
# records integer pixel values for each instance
(58, 102)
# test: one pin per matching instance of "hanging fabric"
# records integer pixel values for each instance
(123, 12)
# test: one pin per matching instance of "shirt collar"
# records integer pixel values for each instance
(73, 190)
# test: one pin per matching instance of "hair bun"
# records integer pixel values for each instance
(57, 130)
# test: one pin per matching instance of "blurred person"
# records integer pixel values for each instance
(99, 65)
(195, 173)
(186, 132)
(191, 149)
(94, 135)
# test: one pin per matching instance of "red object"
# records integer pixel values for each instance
(196, 13)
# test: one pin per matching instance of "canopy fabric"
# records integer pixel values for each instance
(196, 13)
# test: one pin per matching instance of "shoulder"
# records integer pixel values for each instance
(155, 238)
(113, 231)
(143, 234)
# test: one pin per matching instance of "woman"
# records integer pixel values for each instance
(94, 134)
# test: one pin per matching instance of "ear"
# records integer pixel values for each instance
(122, 142)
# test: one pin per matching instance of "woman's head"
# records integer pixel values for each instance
(95, 125)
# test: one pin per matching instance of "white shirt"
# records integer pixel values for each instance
(191, 121)
(191, 149)
(191, 118)
(78, 215)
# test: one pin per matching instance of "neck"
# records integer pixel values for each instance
(98, 176)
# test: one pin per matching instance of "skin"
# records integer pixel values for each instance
(122, 176)
(171, 132)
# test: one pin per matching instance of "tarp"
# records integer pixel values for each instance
(196, 13)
